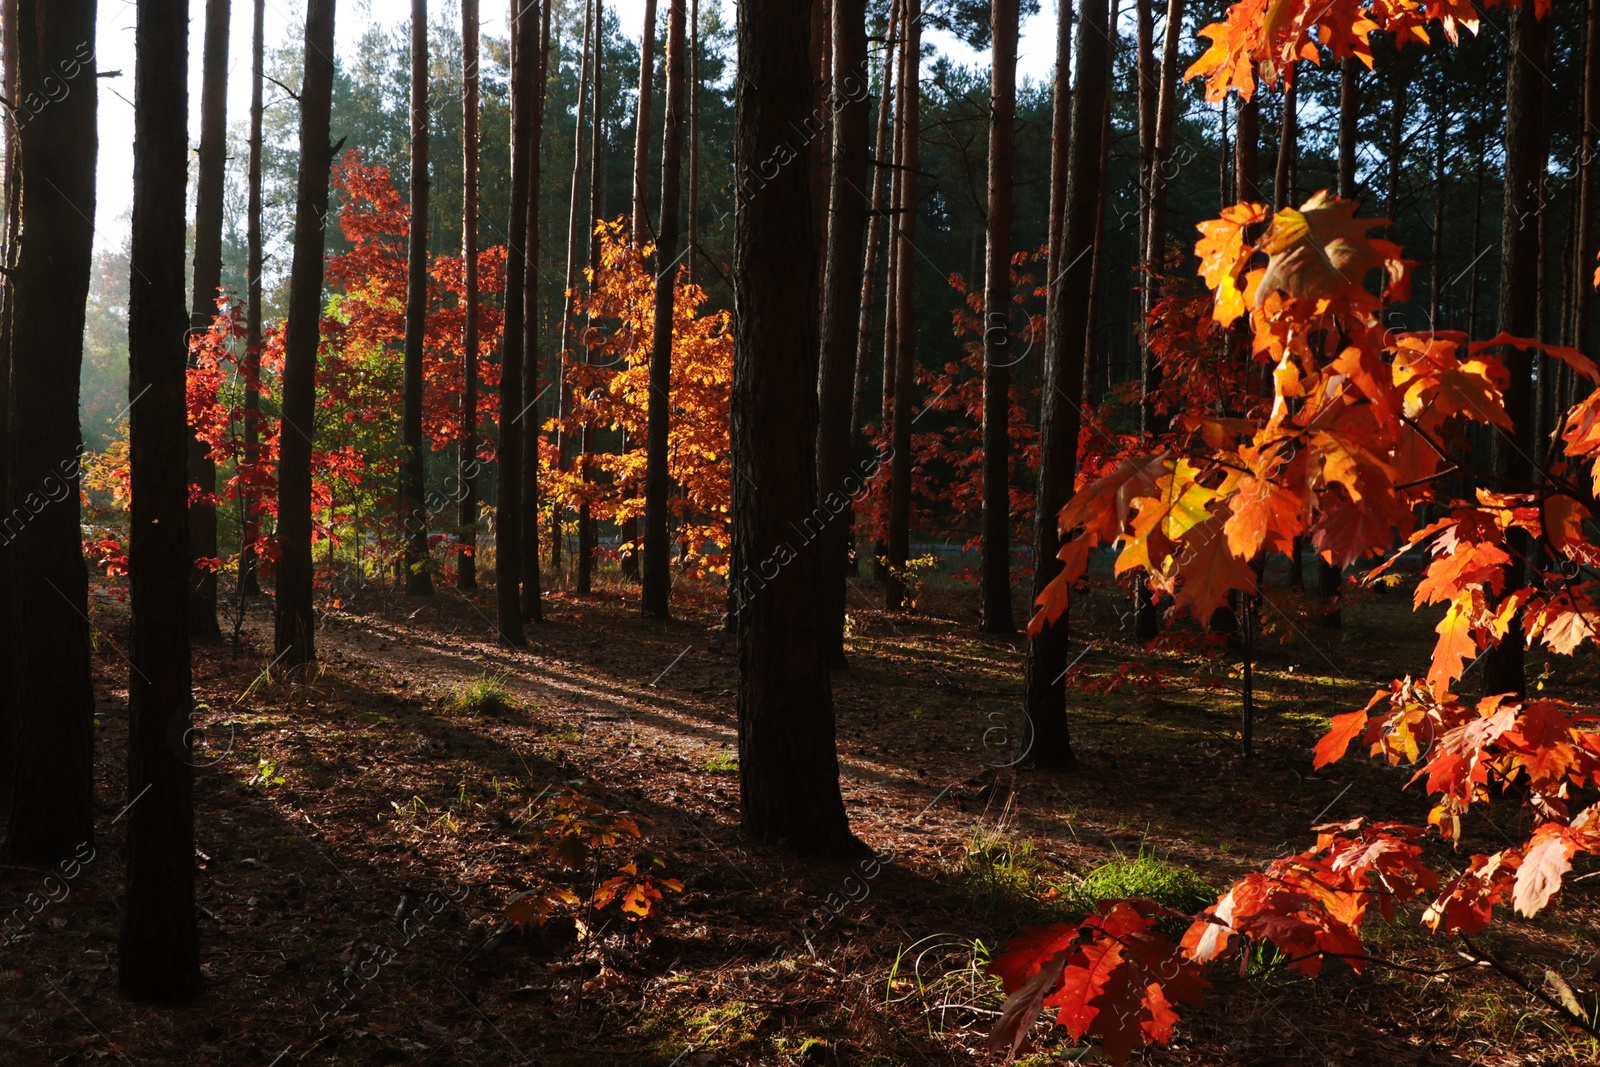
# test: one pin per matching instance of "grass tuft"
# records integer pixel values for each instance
(486, 694)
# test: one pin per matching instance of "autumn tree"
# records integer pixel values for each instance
(657, 554)
(508, 451)
(467, 451)
(998, 352)
(843, 271)
(413, 508)
(52, 807)
(788, 763)
(159, 951)
(1065, 333)
(295, 623)
(207, 280)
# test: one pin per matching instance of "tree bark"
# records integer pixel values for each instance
(1288, 131)
(597, 198)
(467, 453)
(1247, 152)
(641, 221)
(658, 483)
(159, 952)
(1587, 186)
(788, 764)
(295, 622)
(998, 351)
(413, 472)
(572, 263)
(202, 517)
(869, 269)
(509, 452)
(899, 547)
(52, 810)
(1060, 140)
(694, 139)
(11, 221)
(1046, 664)
(1525, 154)
(249, 584)
(532, 580)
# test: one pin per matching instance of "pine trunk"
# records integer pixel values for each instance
(788, 763)
(52, 810)
(658, 482)
(597, 208)
(249, 584)
(202, 517)
(467, 454)
(528, 419)
(1587, 186)
(159, 952)
(905, 356)
(1046, 664)
(413, 471)
(574, 214)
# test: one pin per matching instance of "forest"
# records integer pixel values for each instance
(799, 532)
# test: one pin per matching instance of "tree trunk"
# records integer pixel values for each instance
(1587, 186)
(891, 290)
(658, 483)
(1046, 665)
(899, 547)
(467, 453)
(509, 452)
(413, 508)
(1144, 70)
(1091, 332)
(1349, 113)
(597, 145)
(869, 269)
(573, 216)
(52, 810)
(249, 584)
(159, 952)
(788, 764)
(641, 121)
(1247, 152)
(202, 517)
(1282, 194)
(295, 623)
(998, 356)
(1060, 139)
(528, 419)
(9, 46)
(693, 244)
(1518, 308)
(841, 313)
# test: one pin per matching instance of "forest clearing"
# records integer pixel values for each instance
(856, 532)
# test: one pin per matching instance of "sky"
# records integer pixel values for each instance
(115, 51)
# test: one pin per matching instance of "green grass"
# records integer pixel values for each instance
(721, 763)
(486, 694)
(1145, 875)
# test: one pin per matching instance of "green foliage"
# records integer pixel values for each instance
(487, 694)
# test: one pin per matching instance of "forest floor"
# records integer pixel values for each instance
(360, 835)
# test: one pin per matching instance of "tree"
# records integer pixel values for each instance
(657, 554)
(788, 764)
(997, 349)
(587, 540)
(207, 280)
(869, 270)
(10, 222)
(1065, 333)
(413, 508)
(1512, 450)
(467, 452)
(508, 453)
(159, 952)
(248, 581)
(532, 582)
(841, 303)
(295, 623)
(1584, 243)
(52, 808)
(905, 336)
(641, 215)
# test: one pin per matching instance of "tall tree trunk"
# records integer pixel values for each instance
(905, 312)
(532, 579)
(1046, 664)
(573, 215)
(658, 483)
(249, 584)
(467, 453)
(641, 218)
(880, 160)
(597, 198)
(694, 138)
(1288, 131)
(1349, 113)
(891, 287)
(841, 311)
(10, 44)
(788, 764)
(509, 452)
(295, 624)
(159, 952)
(1144, 70)
(1247, 152)
(641, 121)
(1477, 235)
(1091, 332)
(202, 517)
(413, 472)
(52, 810)
(1587, 186)
(1060, 139)
(1154, 183)
(1525, 155)
(1224, 187)
(1441, 130)
(998, 354)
